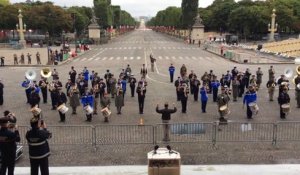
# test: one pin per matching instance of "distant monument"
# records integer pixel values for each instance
(197, 30)
(94, 29)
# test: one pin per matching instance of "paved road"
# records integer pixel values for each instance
(134, 49)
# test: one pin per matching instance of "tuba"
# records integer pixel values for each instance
(288, 72)
(46, 72)
(30, 74)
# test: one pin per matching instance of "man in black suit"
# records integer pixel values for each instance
(166, 116)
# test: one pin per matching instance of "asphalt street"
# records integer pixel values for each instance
(134, 49)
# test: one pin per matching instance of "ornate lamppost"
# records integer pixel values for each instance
(272, 27)
(21, 28)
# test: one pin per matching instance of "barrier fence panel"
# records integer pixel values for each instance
(288, 131)
(71, 134)
(124, 134)
(244, 132)
(22, 132)
(186, 132)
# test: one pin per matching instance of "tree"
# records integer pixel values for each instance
(103, 12)
(116, 15)
(4, 2)
(189, 12)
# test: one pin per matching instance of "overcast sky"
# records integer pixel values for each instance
(134, 7)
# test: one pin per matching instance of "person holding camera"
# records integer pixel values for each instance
(166, 116)
(39, 150)
(8, 146)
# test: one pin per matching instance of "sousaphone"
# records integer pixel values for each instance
(46, 72)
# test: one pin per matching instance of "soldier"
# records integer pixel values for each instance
(112, 84)
(107, 76)
(297, 90)
(143, 71)
(29, 58)
(15, 59)
(73, 94)
(247, 77)
(22, 60)
(39, 150)
(132, 82)
(250, 97)
(105, 103)
(271, 88)
(38, 58)
(8, 146)
(271, 72)
(223, 100)
(152, 60)
(234, 72)
(85, 74)
(119, 101)
(228, 79)
(204, 98)
(72, 74)
(259, 75)
(235, 88)
(215, 87)
(43, 84)
(171, 72)
(183, 71)
(183, 95)
(196, 83)
(1, 93)
(62, 99)
(141, 91)
(282, 80)
(283, 98)
(177, 84)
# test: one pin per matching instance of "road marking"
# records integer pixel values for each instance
(83, 59)
(180, 58)
(200, 58)
(208, 58)
(194, 58)
(174, 58)
(125, 58)
(187, 58)
(138, 58)
(167, 58)
(118, 58)
(104, 58)
(98, 58)
(160, 57)
(111, 58)
(90, 59)
(124, 47)
(131, 58)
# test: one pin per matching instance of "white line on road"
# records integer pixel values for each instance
(104, 58)
(98, 58)
(138, 58)
(111, 58)
(131, 58)
(90, 59)
(125, 58)
(83, 59)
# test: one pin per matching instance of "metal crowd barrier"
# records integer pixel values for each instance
(178, 132)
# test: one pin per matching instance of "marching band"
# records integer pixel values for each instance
(231, 83)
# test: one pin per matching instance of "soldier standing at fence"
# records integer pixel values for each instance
(15, 59)
(38, 146)
(105, 103)
(29, 58)
(283, 98)
(165, 117)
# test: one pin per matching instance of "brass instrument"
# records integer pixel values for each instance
(73, 90)
(288, 72)
(46, 73)
(298, 70)
(51, 86)
(120, 90)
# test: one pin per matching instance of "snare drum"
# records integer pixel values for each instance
(253, 107)
(286, 108)
(88, 109)
(106, 112)
(35, 110)
(224, 110)
(62, 108)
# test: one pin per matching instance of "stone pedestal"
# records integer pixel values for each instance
(197, 33)
(94, 32)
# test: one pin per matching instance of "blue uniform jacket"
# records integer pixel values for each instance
(249, 97)
(86, 75)
(87, 99)
(203, 94)
(172, 70)
(215, 85)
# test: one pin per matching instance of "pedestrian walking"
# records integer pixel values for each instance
(166, 117)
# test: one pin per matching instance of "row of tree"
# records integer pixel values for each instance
(112, 15)
(46, 16)
(245, 17)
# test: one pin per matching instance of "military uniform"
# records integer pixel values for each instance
(297, 91)
(39, 150)
(271, 88)
(8, 146)
(222, 100)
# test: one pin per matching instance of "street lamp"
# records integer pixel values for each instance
(48, 50)
(272, 27)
